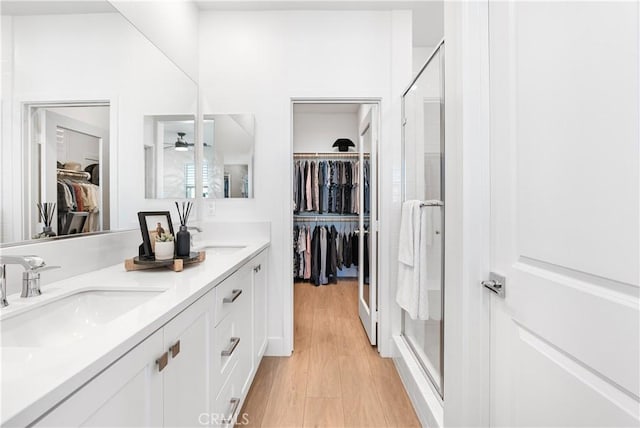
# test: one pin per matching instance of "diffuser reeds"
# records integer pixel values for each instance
(184, 212)
(46, 211)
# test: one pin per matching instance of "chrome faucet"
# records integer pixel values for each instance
(32, 265)
(197, 229)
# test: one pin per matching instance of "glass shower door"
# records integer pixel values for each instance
(423, 160)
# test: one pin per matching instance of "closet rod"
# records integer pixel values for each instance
(326, 220)
(329, 154)
(71, 173)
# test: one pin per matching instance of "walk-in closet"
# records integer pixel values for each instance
(334, 201)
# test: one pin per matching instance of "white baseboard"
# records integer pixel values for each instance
(276, 348)
(427, 403)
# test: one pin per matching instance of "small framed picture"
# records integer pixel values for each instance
(152, 224)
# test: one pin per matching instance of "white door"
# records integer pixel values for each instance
(564, 213)
(367, 290)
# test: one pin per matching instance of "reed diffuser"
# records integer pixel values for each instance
(183, 237)
(45, 212)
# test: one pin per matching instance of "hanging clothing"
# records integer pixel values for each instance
(329, 186)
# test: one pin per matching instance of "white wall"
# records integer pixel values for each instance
(316, 132)
(95, 57)
(171, 25)
(258, 62)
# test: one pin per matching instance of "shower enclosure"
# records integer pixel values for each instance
(423, 179)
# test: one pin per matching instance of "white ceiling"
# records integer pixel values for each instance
(53, 7)
(428, 25)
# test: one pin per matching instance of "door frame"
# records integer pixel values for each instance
(289, 320)
(467, 188)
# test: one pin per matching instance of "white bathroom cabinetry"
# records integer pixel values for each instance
(195, 370)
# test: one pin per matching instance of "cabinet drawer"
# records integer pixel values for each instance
(228, 403)
(232, 293)
(228, 342)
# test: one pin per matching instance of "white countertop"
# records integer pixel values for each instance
(34, 379)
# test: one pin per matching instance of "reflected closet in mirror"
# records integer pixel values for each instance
(69, 149)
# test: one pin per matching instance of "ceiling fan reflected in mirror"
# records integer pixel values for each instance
(181, 145)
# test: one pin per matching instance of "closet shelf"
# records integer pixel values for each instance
(338, 155)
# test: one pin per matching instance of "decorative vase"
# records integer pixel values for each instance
(164, 250)
(183, 242)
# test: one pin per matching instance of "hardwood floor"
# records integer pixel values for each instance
(334, 378)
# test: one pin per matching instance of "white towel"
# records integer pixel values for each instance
(408, 223)
(412, 293)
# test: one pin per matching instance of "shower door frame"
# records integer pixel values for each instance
(439, 387)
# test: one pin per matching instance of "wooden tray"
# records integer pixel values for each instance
(176, 265)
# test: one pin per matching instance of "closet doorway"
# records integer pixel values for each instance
(334, 218)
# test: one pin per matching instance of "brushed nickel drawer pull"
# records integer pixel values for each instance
(233, 343)
(162, 361)
(235, 402)
(175, 349)
(234, 295)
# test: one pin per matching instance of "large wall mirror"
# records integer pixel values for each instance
(80, 88)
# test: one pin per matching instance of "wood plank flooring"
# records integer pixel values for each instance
(334, 378)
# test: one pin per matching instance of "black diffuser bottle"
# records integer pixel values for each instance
(183, 242)
(183, 237)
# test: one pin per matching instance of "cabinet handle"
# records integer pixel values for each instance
(257, 268)
(235, 402)
(234, 295)
(233, 343)
(175, 349)
(162, 361)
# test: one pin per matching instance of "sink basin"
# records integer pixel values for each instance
(213, 250)
(70, 318)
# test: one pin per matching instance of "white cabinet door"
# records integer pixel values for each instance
(564, 207)
(128, 393)
(259, 266)
(187, 384)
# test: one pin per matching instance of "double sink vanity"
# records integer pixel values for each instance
(144, 348)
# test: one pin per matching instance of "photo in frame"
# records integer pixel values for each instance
(152, 224)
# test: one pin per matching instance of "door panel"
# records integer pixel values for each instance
(565, 347)
(368, 292)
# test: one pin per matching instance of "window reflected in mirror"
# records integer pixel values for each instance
(169, 153)
(228, 155)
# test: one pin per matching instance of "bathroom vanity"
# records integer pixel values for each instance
(152, 348)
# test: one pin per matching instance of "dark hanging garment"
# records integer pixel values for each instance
(315, 256)
(355, 242)
(347, 253)
(365, 268)
(347, 187)
(296, 256)
(332, 256)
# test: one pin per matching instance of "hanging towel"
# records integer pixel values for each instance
(408, 224)
(412, 295)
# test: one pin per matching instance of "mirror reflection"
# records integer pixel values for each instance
(69, 148)
(227, 170)
(169, 154)
(78, 82)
